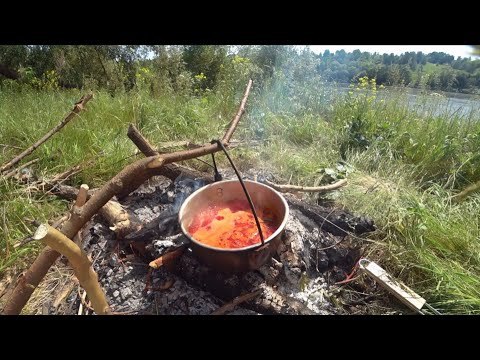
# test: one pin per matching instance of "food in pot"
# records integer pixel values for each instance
(232, 225)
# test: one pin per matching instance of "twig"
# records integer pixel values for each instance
(66, 290)
(458, 198)
(167, 257)
(76, 109)
(18, 170)
(82, 301)
(235, 302)
(55, 224)
(287, 188)
(11, 146)
(331, 246)
(23, 242)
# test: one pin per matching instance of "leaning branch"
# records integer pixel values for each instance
(288, 188)
(76, 109)
(82, 266)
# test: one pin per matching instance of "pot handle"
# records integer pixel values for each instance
(220, 144)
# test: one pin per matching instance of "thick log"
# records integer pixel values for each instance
(76, 109)
(121, 221)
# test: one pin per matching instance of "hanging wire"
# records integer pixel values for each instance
(220, 144)
(217, 176)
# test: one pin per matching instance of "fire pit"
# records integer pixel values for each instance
(217, 196)
(298, 279)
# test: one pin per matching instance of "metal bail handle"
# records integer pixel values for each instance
(219, 143)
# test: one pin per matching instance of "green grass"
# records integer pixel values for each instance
(403, 165)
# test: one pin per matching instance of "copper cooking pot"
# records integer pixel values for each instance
(238, 259)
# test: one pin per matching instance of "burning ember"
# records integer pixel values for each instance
(232, 225)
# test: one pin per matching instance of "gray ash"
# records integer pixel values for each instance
(298, 280)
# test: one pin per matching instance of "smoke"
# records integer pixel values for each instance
(183, 187)
(295, 89)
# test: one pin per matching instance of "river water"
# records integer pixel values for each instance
(428, 103)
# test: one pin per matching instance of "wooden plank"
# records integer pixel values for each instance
(402, 292)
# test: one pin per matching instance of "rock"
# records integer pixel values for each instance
(113, 261)
(109, 272)
(125, 293)
(116, 293)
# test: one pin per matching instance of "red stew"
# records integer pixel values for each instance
(232, 225)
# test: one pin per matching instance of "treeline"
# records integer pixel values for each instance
(193, 68)
(434, 71)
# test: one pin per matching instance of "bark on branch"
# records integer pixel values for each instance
(82, 266)
(171, 171)
(127, 180)
(76, 109)
(167, 257)
(288, 188)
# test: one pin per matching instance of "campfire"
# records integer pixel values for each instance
(296, 280)
(133, 249)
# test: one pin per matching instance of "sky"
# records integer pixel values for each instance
(455, 50)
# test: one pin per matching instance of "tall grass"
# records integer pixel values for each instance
(404, 163)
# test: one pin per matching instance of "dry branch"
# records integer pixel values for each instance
(82, 266)
(18, 170)
(288, 188)
(126, 181)
(11, 146)
(168, 257)
(171, 171)
(76, 109)
(235, 302)
(458, 198)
